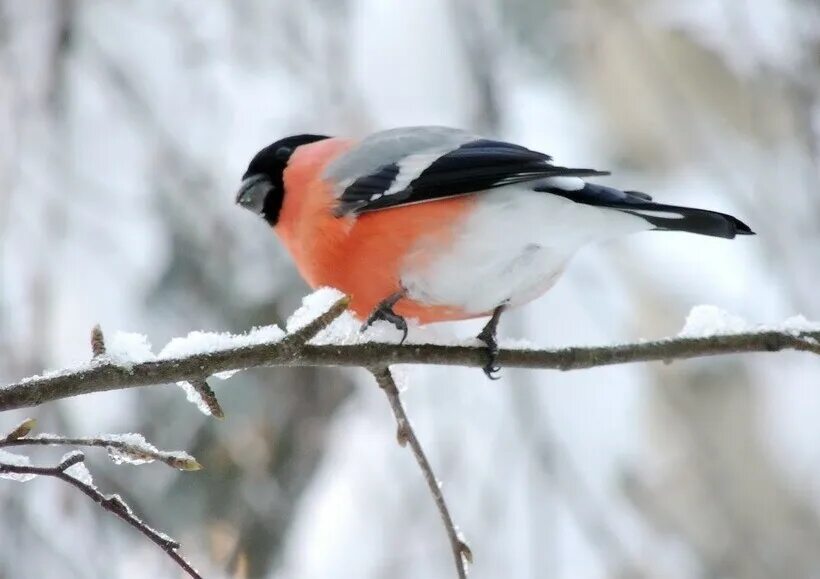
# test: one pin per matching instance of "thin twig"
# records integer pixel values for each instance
(100, 376)
(111, 503)
(406, 435)
(177, 460)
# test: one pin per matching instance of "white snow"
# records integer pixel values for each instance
(15, 460)
(313, 306)
(799, 324)
(78, 471)
(705, 320)
(514, 343)
(69, 369)
(126, 349)
(346, 329)
(199, 342)
(117, 498)
(140, 451)
(194, 398)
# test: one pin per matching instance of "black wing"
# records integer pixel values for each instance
(474, 166)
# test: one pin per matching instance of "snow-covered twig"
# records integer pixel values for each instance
(406, 435)
(103, 375)
(66, 471)
(708, 332)
(123, 448)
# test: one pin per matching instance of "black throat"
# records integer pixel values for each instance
(272, 162)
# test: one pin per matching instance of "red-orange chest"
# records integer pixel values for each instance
(363, 256)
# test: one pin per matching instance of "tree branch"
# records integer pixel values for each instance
(406, 435)
(103, 375)
(111, 503)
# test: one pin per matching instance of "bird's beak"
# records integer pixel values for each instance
(252, 193)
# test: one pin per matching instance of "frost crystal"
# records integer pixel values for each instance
(139, 451)
(15, 460)
(132, 448)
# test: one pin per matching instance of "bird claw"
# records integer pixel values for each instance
(384, 311)
(491, 369)
(488, 336)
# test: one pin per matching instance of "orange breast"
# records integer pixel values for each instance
(362, 256)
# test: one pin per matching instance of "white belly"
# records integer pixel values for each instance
(511, 249)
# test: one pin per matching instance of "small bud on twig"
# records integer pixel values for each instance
(21, 430)
(97, 341)
(402, 432)
(207, 394)
(465, 551)
(188, 463)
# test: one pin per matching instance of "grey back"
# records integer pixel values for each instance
(391, 146)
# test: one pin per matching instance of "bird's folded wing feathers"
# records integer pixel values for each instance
(417, 164)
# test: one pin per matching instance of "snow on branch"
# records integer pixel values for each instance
(128, 448)
(323, 333)
(332, 339)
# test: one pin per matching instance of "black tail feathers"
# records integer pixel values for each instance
(662, 217)
(700, 221)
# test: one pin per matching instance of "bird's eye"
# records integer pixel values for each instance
(283, 153)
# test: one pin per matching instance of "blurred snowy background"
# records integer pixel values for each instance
(125, 128)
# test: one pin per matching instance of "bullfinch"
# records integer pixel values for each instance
(436, 224)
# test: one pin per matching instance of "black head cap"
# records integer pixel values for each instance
(262, 189)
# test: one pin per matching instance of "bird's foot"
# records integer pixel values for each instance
(384, 311)
(488, 336)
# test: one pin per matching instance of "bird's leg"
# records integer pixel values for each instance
(488, 336)
(384, 311)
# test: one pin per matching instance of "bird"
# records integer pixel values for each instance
(437, 224)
